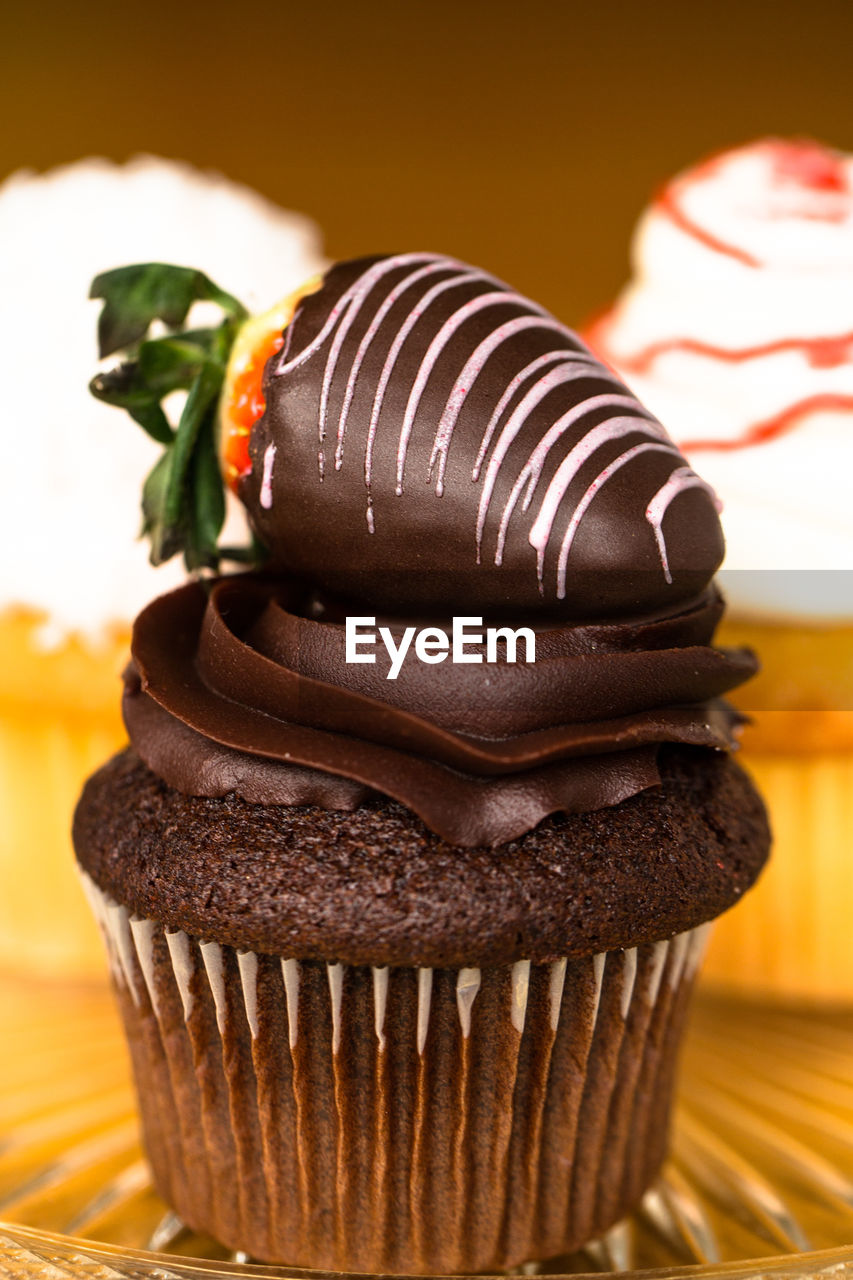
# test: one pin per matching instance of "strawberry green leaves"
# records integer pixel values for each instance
(134, 297)
(125, 387)
(183, 502)
(183, 505)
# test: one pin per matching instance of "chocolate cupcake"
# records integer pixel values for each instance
(404, 905)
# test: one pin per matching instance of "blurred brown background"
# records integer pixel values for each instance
(525, 137)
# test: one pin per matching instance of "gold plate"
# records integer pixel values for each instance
(759, 1181)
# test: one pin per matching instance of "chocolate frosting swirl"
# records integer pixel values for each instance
(242, 686)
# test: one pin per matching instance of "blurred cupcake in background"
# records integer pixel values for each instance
(72, 571)
(737, 331)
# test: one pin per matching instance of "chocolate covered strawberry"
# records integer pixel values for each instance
(461, 441)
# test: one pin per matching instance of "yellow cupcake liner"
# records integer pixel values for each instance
(51, 676)
(59, 720)
(804, 668)
(45, 924)
(792, 936)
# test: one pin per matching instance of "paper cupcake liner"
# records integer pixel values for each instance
(45, 927)
(791, 936)
(398, 1119)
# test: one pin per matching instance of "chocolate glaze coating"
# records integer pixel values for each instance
(434, 440)
(375, 886)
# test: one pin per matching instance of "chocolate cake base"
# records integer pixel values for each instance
(376, 886)
(399, 1119)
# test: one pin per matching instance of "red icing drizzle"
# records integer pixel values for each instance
(667, 204)
(821, 353)
(809, 165)
(802, 163)
(772, 428)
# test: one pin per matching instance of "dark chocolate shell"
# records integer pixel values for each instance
(434, 441)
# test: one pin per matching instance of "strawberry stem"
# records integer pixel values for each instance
(183, 501)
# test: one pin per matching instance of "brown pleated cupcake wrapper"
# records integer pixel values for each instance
(399, 1119)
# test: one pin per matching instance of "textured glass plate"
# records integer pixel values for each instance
(759, 1182)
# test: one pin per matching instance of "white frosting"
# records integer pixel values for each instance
(752, 249)
(72, 473)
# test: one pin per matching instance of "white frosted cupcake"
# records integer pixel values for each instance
(72, 573)
(737, 330)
